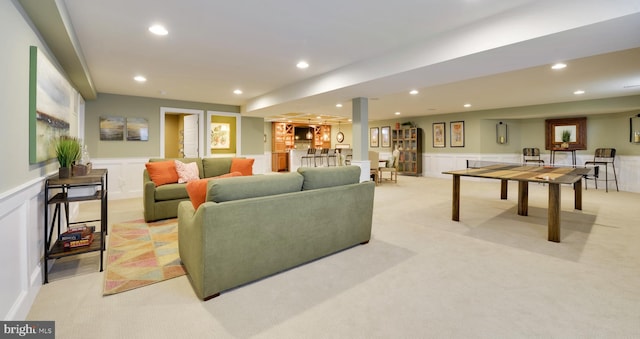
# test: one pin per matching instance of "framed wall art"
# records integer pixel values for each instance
(439, 134)
(137, 129)
(52, 104)
(220, 135)
(374, 137)
(112, 128)
(385, 135)
(457, 133)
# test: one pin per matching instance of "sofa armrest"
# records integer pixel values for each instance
(148, 196)
(190, 243)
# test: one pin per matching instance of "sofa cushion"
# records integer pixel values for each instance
(321, 177)
(242, 165)
(197, 189)
(184, 161)
(171, 192)
(214, 167)
(187, 172)
(253, 186)
(162, 172)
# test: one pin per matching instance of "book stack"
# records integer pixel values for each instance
(77, 236)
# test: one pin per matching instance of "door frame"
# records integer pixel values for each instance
(171, 110)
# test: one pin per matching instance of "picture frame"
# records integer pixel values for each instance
(575, 127)
(439, 134)
(53, 105)
(385, 136)
(112, 128)
(220, 135)
(457, 133)
(374, 137)
(137, 129)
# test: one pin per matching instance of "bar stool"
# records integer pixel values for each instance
(532, 155)
(332, 155)
(324, 152)
(604, 157)
(311, 152)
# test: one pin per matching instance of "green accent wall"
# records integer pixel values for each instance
(527, 130)
(134, 107)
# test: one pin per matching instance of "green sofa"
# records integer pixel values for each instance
(252, 227)
(162, 202)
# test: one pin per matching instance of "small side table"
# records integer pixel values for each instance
(573, 155)
(53, 248)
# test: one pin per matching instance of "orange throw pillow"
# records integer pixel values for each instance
(244, 166)
(197, 189)
(162, 172)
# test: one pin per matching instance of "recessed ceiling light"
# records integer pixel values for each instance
(578, 92)
(559, 66)
(302, 65)
(414, 92)
(139, 78)
(338, 105)
(397, 113)
(467, 105)
(237, 91)
(158, 30)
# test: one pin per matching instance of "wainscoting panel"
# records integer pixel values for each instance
(21, 248)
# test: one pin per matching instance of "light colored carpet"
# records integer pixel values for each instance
(140, 254)
(491, 275)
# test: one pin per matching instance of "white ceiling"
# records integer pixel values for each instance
(490, 53)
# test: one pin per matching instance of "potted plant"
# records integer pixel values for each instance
(566, 137)
(68, 151)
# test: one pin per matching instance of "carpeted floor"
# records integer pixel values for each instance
(491, 275)
(140, 254)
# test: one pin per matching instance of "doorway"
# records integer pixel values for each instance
(180, 135)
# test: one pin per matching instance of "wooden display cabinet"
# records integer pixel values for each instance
(408, 140)
(282, 142)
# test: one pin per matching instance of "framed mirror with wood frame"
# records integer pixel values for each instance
(569, 133)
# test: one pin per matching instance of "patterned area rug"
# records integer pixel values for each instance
(141, 254)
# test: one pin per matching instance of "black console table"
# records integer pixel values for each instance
(96, 183)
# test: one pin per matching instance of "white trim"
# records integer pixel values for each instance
(238, 132)
(170, 110)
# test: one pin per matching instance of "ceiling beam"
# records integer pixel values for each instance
(51, 19)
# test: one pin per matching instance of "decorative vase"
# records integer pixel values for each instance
(564, 145)
(64, 172)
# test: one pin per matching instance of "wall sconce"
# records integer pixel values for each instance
(634, 129)
(502, 133)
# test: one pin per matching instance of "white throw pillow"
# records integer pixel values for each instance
(187, 172)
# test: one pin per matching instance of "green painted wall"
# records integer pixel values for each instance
(139, 107)
(16, 36)
(252, 135)
(603, 130)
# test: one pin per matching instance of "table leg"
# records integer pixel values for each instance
(523, 198)
(455, 207)
(577, 194)
(554, 212)
(503, 189)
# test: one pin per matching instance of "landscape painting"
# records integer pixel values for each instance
(112, 128)
(137, 129)
(51, 106)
